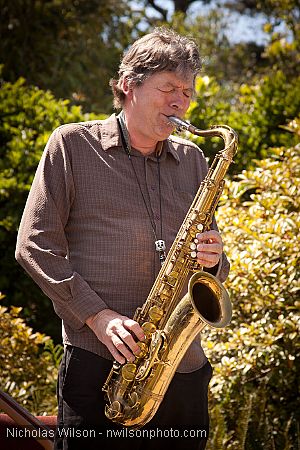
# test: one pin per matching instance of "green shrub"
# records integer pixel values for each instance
(255, 396)
(28, 115)
(255, 111)
(28, 364)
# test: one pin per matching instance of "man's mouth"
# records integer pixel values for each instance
(167, 121)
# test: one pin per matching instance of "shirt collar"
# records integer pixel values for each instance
(110, 138)
(110, 135)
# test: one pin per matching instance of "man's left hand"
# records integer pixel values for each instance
(209, 248)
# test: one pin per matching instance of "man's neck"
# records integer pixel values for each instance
(145, 145)
(145, 151)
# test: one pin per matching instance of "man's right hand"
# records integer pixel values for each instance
(116, 332)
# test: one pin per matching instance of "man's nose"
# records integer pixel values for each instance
(178, 101)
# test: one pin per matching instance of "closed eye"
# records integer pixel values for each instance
(186, 92)
(167, 91)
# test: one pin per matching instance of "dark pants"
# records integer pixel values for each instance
(181, 421)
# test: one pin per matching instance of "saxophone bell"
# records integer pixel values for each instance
(210, 300)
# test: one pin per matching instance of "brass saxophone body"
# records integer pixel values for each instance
(135, 390)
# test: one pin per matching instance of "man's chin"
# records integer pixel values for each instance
(165, 131)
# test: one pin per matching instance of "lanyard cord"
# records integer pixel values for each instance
(159, 193)
(160, 245)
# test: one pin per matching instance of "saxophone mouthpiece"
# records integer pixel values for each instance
(181, 124)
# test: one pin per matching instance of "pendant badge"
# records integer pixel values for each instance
(160, 247)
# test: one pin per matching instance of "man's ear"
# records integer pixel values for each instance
(126, 87)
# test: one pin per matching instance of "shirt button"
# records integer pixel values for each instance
(157, 217)
(153, 187)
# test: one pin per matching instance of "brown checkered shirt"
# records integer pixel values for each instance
(85, 236)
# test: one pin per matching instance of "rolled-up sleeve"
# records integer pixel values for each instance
(42, 246)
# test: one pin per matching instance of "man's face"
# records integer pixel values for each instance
(163, 94)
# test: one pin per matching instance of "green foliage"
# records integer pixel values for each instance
(28, 364)
(256, 112)
(282, 30)
(28, 115)
(256, 359)
(70, 47)
(221, 59)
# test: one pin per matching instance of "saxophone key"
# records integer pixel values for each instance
(143, 350)
(113, 411)
(193, 231)
(202, 217)
(155, 314)
(170, 279)
(177, 254)
(157, 342)
(133, 400)
(165, 295)
(128, 371)
(148, 328)
(195, 266)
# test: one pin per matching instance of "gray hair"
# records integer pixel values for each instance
(161, 50)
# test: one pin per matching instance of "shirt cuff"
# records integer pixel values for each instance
(82, 303)
(221, 269)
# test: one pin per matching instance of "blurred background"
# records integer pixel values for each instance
(56, 60)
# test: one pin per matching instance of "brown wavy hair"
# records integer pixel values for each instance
(161, 50)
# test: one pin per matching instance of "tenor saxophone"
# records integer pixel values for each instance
(134, 391)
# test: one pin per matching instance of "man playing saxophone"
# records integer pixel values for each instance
(106, 203)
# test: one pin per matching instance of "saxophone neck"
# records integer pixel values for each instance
(225, 132)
